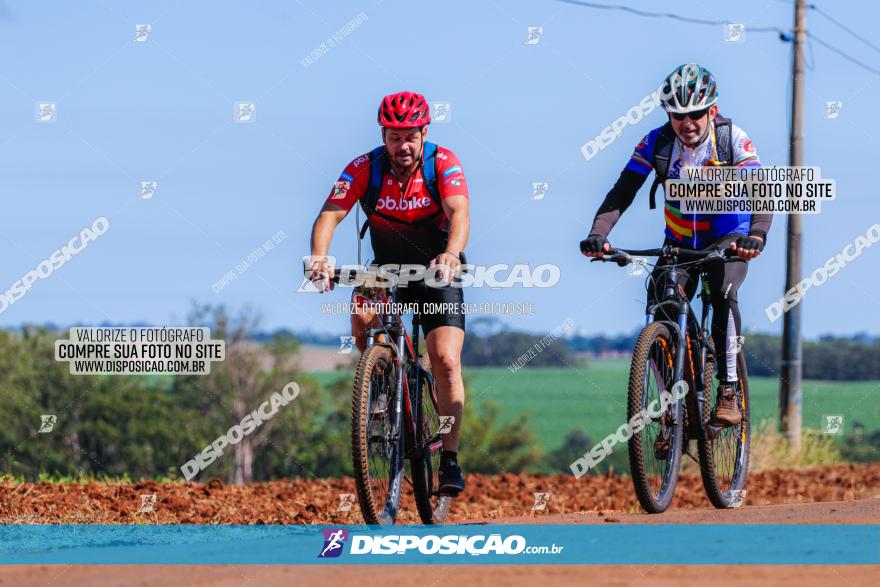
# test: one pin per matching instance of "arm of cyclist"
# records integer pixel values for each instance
(744, 155)
(343, 196)
(453, 189)
(749, 247)
(615, 204)
(457, 210)
(321, 269)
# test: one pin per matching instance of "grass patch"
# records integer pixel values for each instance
(593, 399)
(771, 450)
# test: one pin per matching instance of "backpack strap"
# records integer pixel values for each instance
(662, 154)
(429, 171)
(724, 140)
(379, 166)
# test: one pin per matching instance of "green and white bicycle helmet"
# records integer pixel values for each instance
(689, 88)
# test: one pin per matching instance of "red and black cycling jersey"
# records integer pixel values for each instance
(408, 225)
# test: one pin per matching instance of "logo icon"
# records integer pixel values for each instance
(346, 501)
(414, 203)
(638, 267)
(737, 497)
(441, 112)
(307, 286)
(147, 503)
(541, 501)
(340, 188)
(734, 32)
(333, 542)
(539, 190)
(141, 32)
(535, 33)
(446, 423)
(735, 344)
(346, 344)
(46, 112)
(832, 109)
(47, 423)
(245, 112)
(833, 424)
(148, 190)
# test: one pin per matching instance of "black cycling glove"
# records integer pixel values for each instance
(750, 242)
(593, 244)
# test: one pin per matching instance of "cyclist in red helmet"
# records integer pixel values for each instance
(416, 199)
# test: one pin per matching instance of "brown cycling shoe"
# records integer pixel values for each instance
(727, 412)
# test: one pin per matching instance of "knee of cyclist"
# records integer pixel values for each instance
(445, 362)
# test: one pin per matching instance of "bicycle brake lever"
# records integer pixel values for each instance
(620, 259)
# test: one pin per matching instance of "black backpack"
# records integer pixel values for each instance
(666, 140)
(379, 166)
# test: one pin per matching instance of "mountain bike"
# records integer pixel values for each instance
(681, 352)
(395, 417)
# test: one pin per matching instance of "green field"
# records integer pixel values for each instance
(593, 399)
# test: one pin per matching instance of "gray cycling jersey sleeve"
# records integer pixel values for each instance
(761, 225)
(616, 202)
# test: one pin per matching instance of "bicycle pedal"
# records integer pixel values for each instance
(447, 493)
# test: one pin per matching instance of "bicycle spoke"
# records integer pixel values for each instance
(380, 449)
(659, 378)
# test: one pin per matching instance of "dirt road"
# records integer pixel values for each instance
(843, 494)
(867, 511)
(427, 576)
(488, 498)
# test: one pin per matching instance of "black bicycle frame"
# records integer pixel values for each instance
(686, 323)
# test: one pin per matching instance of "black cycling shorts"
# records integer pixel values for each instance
(430, 301)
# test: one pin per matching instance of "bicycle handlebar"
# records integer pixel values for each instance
(351, 274)
(676, 252)
(623, 257)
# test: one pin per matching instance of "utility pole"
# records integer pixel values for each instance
(791, 369)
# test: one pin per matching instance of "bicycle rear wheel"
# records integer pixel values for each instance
(655, 450)
(425, 463)
(376, 453)
(724, 456)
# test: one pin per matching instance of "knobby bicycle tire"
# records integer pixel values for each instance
(641, 449)
(375, 375)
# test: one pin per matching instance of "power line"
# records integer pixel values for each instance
(843, 54)
(783, 35)
(840, 52)
(671, 16)
(844, 27)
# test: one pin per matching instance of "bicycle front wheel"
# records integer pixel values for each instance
(655, 450)
(376, 445)
(724, 454)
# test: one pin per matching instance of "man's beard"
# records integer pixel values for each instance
(699, 140)
(406, 168)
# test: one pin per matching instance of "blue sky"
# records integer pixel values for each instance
(162, 110)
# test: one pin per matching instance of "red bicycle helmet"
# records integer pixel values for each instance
(404, 110)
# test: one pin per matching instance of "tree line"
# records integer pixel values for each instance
(60, 425)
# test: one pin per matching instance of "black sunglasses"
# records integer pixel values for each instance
(692, 115)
